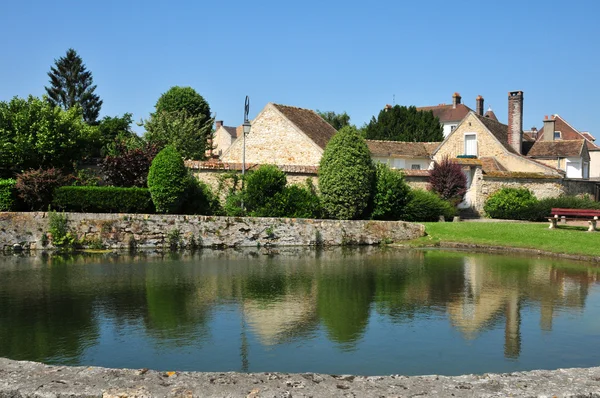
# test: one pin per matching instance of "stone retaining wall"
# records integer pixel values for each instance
(149, 231)
(30, 379)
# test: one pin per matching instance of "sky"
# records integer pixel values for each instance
(352, 56)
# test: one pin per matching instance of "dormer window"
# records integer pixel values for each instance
(557, 135)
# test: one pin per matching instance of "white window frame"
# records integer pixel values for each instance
(554, 137)
(465, 144)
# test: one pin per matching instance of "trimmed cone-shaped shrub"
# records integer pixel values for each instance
(391, 194)
(346, 175)
(168, 181)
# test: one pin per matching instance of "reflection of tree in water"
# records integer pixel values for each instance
(45, 315)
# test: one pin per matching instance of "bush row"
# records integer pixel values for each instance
(521, 204)
(103, 199)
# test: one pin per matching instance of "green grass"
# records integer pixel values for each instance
(571, 240)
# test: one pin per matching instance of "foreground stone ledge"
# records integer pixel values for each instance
(31, 379)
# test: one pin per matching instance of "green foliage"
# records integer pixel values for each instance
(112, 128)
(85, 178)
(346, 175)
(59, 230)
(200, 199)
(168, 181)
(336, 120)
(182, 119)
(127, 164)
(103, 199)
(402, 123)
(262, 185)
(174, 239)
(510, 203)
(71, 85)
(36, 187)
(294, 202)
(35, 134)
(8, 197)
(233, 205)
(391, 194)
(427, 206)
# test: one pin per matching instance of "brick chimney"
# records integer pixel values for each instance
(549, 127)
(218, 124)
(515, 120)
(456, 98)
(479, 105)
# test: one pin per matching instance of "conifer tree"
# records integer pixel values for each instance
(72, 84)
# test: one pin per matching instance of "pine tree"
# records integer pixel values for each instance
(71, 84)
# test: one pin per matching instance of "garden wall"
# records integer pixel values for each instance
(156, 231)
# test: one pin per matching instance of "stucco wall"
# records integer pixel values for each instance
(274, 140)
(156, 231)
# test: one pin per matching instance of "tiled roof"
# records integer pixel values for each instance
(588, 136)
(447, 113)
(231, 130)
(309, 122)
(467, 161)
(400, 148)
(490, 164)
(212, 165)
(491, 115)
(520, 174)
(430, 147)
(559, 148)
(499, 130)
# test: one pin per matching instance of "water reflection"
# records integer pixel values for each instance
(259, 310)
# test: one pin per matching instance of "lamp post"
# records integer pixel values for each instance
(246, 130)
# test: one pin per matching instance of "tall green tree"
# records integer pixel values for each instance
(182, 119)
(72, 84)
(346, 175)
(401, 123)
(337, 120)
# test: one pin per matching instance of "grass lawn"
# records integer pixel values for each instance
(572, 240)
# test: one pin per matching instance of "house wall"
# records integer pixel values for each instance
(557, 163)
(404, 163)
(447, 127)
(574, 167)
(595, 164)
(487, 146)
(274, 140)
(221, 141)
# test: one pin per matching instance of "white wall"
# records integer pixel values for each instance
(594, 164)
(574, 168)
(404, 163)
(448, 128)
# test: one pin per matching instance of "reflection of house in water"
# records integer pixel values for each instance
(492, 293)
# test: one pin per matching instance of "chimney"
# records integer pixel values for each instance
(455, 100)
(515, 120)
(534, 133)
(549, 127)
(388, 107)
(218, 124)
(479, 103)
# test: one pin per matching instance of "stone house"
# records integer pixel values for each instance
(403, 155)
(223, 138)
(282, 135)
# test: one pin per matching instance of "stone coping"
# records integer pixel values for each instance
(31, 379)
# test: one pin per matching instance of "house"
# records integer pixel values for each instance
(282, 135)
(403, 155)
(450, 115)
(558, 142)
(223, 138)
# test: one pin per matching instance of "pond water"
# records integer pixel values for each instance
(369, 311)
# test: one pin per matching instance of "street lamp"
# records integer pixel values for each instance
(246, 130)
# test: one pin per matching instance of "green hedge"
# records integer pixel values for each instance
(8, 197)
(103, 199)
(427, 206)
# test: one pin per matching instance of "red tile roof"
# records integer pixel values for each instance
(554, 149)
(447, 113)
(309, 122)
(491, 115)
(568, 132)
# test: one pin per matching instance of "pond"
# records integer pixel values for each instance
(369, 311)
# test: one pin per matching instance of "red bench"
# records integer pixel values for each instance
(574, 214)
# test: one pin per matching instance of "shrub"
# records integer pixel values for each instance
(448, 180)
(294, 202)
(128, 167)
(36, 187)
(8, 197)
(103, 199)
(511, 203)
(200, 199)
(391, 194)
(262, 185)
(427, 206)
(85, 178)
(59, 230)
(168, 181)
(542, 209)
(346, 175)
(233, 205)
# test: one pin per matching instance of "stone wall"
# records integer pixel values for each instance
(158, 231)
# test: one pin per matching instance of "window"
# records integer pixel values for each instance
(557, 135)
(471, 144)
(453, 127)
(415, 167)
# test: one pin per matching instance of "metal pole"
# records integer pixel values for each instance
(245, 126)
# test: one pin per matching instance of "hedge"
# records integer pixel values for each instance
(103, 199)
(8, 197)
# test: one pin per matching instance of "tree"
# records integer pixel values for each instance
(402, 123)
(109, 128)
(337, 120)
(128, 166)
(448, 180)
(391, 194)
(71, 84)
(346, 175)
(34, 134)
(182, 119)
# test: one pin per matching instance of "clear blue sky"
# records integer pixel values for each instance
(329, 55)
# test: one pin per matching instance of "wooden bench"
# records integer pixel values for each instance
(574, 214)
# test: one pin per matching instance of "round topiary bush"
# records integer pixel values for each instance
(346, 175)
(427, 206)
(185, 99)
(511, 203)
(391, 194)
(168, 181)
